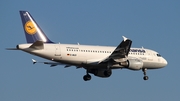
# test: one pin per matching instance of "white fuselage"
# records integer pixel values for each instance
(90, 55)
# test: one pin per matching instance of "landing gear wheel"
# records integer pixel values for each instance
(145, 77)
(87, 77)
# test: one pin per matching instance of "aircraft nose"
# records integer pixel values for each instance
(164, 62)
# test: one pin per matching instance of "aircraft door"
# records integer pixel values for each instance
(57, 51)
(150, 56)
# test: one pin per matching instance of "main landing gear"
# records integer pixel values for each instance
(87, 77)
(144, 72)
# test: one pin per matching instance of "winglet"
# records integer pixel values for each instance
(34, 61)
(124, 38)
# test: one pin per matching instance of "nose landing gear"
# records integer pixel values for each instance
(144, 72)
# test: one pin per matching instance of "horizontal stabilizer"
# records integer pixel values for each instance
(12, 49)
(37, 45)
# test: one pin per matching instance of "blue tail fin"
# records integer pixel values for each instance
(32, 30)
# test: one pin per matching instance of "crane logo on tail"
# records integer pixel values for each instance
(30, 28)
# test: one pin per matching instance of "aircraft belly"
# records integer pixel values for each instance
(74, 60)
(152, 65)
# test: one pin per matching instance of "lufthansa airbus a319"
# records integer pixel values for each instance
(97, 60)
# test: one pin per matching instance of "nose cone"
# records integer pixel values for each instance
(164, 63)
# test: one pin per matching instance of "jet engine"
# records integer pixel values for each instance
(133, 64)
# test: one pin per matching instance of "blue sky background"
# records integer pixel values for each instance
(153, 24)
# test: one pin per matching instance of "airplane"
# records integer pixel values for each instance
(97, 60)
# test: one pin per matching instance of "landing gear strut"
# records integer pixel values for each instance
(87, 77)
(144, 72)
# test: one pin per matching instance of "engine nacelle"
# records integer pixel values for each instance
(101, 73)
(133, 64)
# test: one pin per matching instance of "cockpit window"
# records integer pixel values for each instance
(158, 55)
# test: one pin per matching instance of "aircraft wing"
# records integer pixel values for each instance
(121, 51)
